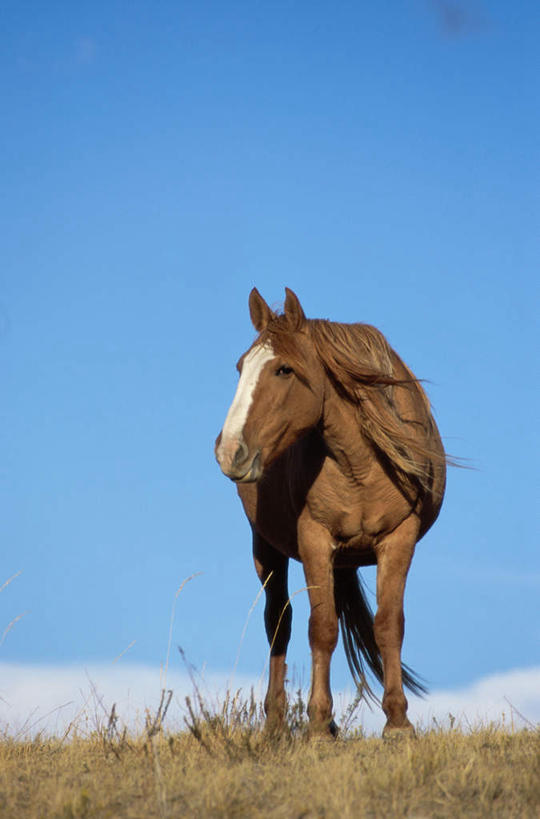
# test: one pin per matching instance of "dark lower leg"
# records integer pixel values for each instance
(278, 617)
(272, 568)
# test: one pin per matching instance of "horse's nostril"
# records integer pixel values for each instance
(241, 454)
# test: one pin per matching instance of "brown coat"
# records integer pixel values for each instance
(339, 464)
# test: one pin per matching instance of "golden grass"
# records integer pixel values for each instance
(223, 765)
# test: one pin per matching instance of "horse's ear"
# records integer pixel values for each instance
(293, 310)
(258, 310)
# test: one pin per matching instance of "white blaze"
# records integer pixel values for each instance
(238, 412)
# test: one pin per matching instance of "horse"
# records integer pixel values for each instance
(338, 463)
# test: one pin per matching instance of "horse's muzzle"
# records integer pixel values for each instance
(237, 463)
(253, 473)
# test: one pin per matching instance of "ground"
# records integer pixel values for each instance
(222, 764)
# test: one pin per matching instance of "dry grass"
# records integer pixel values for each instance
(223, 765)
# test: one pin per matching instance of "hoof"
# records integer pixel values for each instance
(323, 732)
(275, 728)
(398, 734)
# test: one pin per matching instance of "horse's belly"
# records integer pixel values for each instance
(351, 557)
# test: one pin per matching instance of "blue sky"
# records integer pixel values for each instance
(158, 161)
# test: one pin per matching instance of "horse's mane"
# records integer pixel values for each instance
(366, 371)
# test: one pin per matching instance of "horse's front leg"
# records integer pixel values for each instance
(394, 556)
(272, 569)
(316, 552)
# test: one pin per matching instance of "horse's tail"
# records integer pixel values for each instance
(356, 621)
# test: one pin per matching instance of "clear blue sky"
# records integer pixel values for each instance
(158, 160)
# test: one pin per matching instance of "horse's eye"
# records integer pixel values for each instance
(284, 370)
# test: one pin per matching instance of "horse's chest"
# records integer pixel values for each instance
(356, 515)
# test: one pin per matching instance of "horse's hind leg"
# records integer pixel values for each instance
(394, 555)
(272, 569)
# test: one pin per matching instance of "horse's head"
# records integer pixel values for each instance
(279, 395)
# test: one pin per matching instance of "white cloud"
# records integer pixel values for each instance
(48, 698)
(514, 694)
(512, 697)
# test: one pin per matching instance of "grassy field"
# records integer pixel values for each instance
(223, 765)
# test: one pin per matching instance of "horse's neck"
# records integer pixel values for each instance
(344, 439)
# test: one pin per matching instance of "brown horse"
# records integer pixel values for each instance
(339, 464)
